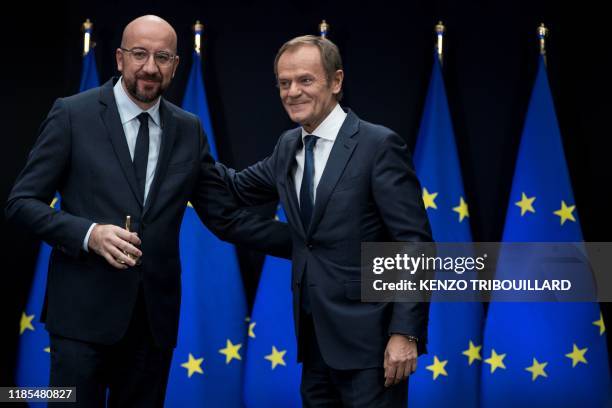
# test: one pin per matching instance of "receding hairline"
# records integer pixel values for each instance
(149, 19)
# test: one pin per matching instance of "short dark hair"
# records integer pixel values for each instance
(330, 55)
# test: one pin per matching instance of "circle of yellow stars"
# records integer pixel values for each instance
(565, 213)
(497, 361)
(276, 357)
(429, 201)
(525, 204)
(231, 352)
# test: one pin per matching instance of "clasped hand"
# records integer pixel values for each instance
(116, 245)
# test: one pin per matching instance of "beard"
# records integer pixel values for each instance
(145, 96)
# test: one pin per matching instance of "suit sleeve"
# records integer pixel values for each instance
(397, 194)
(255, 185)
(47, 164)
(219, 210)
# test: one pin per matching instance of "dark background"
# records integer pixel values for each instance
(491, 54)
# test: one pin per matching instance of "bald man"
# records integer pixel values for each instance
(113, 296)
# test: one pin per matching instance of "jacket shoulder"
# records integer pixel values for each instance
(83, 98)
(180, 113)
(375, 130)
(289, 136)
(376, 134)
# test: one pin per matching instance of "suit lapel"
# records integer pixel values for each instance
(338, 158)
(294, 206)
(112, 121)
(169, 130)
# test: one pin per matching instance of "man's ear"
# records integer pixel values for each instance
(176, 62)
(337, 81)
(119, 59)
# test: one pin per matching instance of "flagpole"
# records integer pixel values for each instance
(323, 29)
(542, 33)
(87, 44)
(440, 30)
(198, 28)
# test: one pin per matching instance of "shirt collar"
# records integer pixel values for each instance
(128, 109)
(329, 128)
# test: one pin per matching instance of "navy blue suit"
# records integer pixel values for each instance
(368, 192)
(82, 153)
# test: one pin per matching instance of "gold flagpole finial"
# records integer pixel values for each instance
(198, 28)
(542, 33)
(87, 44)
(440, 30)
(323, 29)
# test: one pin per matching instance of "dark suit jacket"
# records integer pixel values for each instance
(82, 153)
(368, 192)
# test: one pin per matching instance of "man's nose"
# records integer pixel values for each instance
(294, 89)
(150, 66)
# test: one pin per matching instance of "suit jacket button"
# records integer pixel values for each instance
(309, 246)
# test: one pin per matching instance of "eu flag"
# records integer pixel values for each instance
(206, 369)
(33, 363)
(89, 74)
(448, 376)
(543, 354)
(272, 374)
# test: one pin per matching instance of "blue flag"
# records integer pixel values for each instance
(89, 75)
(543, 354)
(33, 363)
(206, 369)
(272, 374)
(448, 376)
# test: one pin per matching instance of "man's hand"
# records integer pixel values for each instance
(115, 244)
(400, 359)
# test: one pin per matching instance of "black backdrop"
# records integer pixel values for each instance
(490, 63)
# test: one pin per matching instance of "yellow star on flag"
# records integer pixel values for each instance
(25, 323)
(231, 351)
(565, 212)
(472, 353)
(496, 361)
(526, 204)
(193, 365)
(437, 367)
(429, 199)
(47, 349)
(189, 204)
(53, 202)
(600, 323)
(537, 369)
(461, 209)
(577, 355)
(276, 357)
(252, 330)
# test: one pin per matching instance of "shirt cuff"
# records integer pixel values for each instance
(86, 240)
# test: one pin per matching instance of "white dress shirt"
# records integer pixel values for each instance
(128, 114)
(326, 132)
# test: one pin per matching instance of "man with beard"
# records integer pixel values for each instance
(113, 296)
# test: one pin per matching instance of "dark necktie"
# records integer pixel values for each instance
(307, 187)
(141, 154)
(306, 205)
